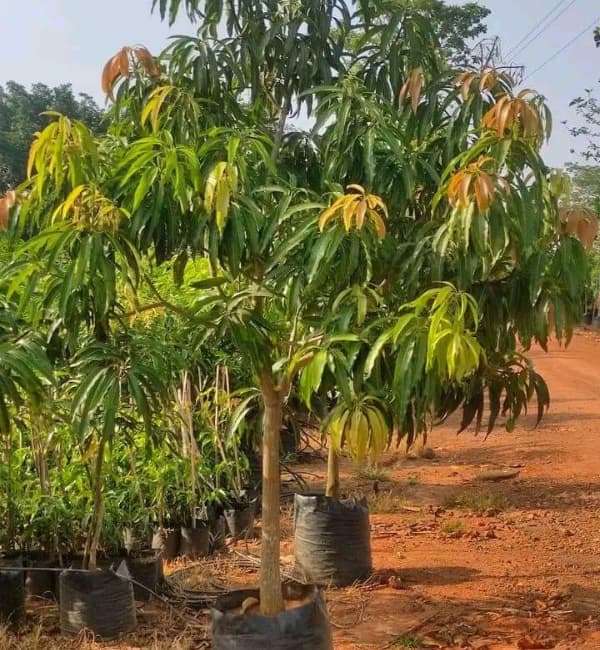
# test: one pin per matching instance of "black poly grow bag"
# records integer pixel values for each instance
(38, 583)
(240, 521)
(332, 541)
(145, 569)
(12, 591)
(166, 542)
(194, 542)
(305, 627)
(98, 601)
(216, 533)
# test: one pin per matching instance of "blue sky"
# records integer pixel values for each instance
(54, 41)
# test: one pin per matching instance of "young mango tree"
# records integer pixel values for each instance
(25, 375)
(71, 274)
(412, 234)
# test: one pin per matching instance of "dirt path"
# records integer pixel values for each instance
(466, 564)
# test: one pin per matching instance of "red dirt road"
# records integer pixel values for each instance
(525, 572)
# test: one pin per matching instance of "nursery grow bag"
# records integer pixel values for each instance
(240, 521)
(12, 591)
(166, 542)
(134, 542)
(41, 584)
(303, 625)
(145, 569)
(216, 533)
(99, 601)
(194, 542)
(332, 543)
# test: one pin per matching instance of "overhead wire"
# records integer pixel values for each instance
(518, 51)
(535, 27)
(563, 48)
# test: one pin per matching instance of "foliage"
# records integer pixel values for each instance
(23, 113)
(385, 308)
(587, 108)
(585, 185)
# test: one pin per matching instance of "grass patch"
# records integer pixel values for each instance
(413, 480)
(453, 527)
(385, 503)
(407, 641)
(374, 473)
(478, 501)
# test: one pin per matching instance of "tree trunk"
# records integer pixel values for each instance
(271, 598)
(98, 513)
(9, 492)
(333, 473)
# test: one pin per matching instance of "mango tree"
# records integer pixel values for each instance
(403, 250)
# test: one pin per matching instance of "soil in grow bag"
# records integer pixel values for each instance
(240, 520)
(194, 542)
(166, 542)
(332, 542)
(12, 590)
(303, 625)
(38, 583)
(145, 569)
(99, 601)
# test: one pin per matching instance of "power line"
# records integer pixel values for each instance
(521, 49)
(535, 27)
(563, 48)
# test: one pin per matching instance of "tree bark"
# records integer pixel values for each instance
(333, 474)
(98, 513)
(271, 597)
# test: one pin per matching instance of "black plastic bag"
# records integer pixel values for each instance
(12, 591)
(305, 627)
(41, 584)
(194, 542)
(166, 542)
(332, 542)
(99, 601)
(240, 521)
(145, 569)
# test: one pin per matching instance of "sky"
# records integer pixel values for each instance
(58, 41)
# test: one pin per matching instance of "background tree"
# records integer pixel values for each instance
(585, 185)
(456, 26)
(21, 115)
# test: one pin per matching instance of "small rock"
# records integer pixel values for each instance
(396, 583)
(427, 453)
(498, 474)
(249, 603)
(531, 643)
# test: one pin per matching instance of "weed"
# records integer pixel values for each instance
(478, 501)
(373, 473)
(407, 641)
(385, 503)
(453, 527)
